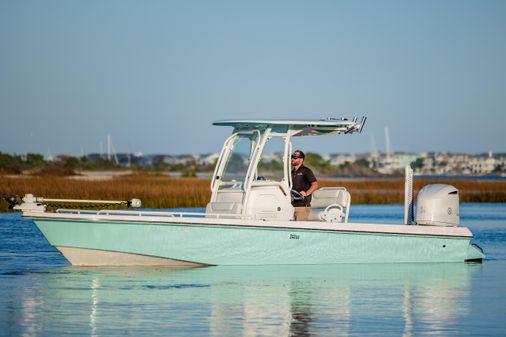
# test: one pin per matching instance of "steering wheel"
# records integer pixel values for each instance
(296, 196)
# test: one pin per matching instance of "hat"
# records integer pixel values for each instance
(301, 154)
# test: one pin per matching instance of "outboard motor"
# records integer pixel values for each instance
(438, 205)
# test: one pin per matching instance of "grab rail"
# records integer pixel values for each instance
(75, 211)
(106, 212)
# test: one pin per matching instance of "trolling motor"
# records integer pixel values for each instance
(29, 203)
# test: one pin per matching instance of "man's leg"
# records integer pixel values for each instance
(301, 213)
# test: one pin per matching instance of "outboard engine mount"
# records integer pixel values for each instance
(438, 205)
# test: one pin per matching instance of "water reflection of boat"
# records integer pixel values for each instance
(249, 219)
(250, 301)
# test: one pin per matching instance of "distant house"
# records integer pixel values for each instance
(342, 158)
(208, 159)
(428, 163)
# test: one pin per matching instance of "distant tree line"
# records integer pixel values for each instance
(32, 163)
(36, 164)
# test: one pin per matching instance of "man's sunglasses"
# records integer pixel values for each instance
(295, 156)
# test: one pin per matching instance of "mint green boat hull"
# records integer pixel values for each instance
(242, 245)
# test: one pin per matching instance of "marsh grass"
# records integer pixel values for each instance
(391, 190)
(159, 191)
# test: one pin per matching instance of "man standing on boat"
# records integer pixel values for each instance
(304, 182)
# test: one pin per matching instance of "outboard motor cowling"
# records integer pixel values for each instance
(438, 205)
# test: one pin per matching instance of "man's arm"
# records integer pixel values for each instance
(314, 186)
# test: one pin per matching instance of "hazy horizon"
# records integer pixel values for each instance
(104, 153)
(155, 75)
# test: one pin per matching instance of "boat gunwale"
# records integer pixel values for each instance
(350, 228)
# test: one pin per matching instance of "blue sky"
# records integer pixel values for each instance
(155, 74)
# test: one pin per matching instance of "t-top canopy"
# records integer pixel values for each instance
(305, 127)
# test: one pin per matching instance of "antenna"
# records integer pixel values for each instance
(109, 147)
(374, 149)
(387, 142)
(362, 123)
(113, 151)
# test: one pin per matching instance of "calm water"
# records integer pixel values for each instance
(40, 295)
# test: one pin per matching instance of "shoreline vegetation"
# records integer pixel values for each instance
(163, 191)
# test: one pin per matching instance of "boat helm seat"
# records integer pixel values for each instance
(331, 204)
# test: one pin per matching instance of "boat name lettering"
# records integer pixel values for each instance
(294, 237)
